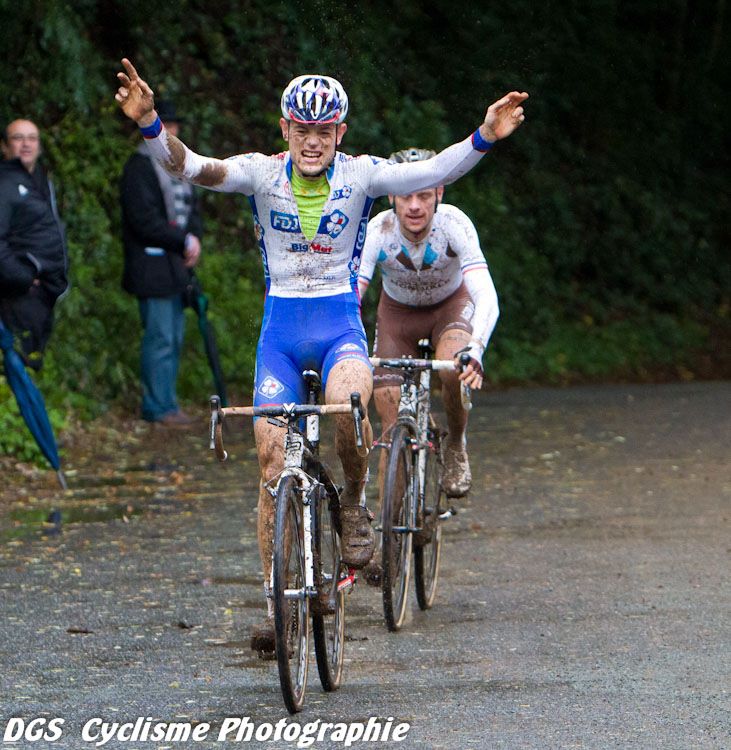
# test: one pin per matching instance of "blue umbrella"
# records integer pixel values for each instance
(199, 302)
(30, 402)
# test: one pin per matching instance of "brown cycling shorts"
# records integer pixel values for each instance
(399, 328)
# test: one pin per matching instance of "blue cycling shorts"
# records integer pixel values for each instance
(305, 333)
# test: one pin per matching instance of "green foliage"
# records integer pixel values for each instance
(604, 219)
(15, 438)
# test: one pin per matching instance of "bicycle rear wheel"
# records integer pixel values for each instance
(397, 517)
(427, 548)
(328, 628)
(291, 604)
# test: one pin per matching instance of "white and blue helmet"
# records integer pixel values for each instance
(314, 99)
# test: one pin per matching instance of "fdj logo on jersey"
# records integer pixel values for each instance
(285, 222)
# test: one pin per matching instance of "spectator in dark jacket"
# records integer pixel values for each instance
(33, 262)
(161, 230)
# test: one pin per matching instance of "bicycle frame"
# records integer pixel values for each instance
(302, 527)
(415, 399)
(299, 450)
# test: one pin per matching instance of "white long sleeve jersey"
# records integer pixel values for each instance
(328, 264)
(427, 272)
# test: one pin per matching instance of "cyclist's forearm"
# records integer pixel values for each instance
(186, 164)
(446, 167)
(362, 286)
(482, 290)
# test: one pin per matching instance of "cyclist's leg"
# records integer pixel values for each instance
(452, 332)
(270, 451)
(357, 535)
(451, 341)
(346, 369)
(398, 330)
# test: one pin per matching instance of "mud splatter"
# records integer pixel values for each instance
(211, 175)
(177, 155)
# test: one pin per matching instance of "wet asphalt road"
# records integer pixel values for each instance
(584, 596)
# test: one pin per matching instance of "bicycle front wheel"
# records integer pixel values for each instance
(291, 603)
(328, 619)
(428, 545)
(397, 518)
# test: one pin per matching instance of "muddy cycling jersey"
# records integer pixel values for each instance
(425, 273)
(311, 317)
(328, 264)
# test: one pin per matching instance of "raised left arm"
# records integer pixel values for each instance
(501, 119)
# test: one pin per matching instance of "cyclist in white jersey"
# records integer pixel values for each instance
(436, 284)
(311, 266)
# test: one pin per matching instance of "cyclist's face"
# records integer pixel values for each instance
(415, 212)
(23, 142)
(312, 147)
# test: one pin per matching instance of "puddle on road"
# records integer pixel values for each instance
(48, 521)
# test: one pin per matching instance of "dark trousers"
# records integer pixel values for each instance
(30, 317)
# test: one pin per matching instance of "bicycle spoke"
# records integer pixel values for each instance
(291, 604)
(397, 513)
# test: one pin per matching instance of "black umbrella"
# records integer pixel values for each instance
(199, 302)
(30, 402)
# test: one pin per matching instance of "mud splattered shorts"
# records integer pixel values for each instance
(305, 333)
(399, 328)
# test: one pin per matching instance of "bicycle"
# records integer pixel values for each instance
(413, 501)
(308, 578)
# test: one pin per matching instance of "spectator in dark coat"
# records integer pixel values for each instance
(33, 260)
(161, 230)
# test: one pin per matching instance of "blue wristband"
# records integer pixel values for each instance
(152, 131)
(479, 143)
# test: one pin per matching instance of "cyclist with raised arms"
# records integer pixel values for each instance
(311, 206)
(435, 284)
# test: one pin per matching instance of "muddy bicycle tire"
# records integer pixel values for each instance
(291, 615)
(397, 512)
(427, 550)
(328, 630)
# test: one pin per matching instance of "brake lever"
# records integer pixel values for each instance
(216, 429)
(356, 408)
(465, 391)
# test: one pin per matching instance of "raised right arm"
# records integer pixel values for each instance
(137, 101)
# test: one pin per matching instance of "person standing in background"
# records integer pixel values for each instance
(33, 258)
(161, 227)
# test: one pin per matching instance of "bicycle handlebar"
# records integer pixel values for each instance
(411, 363)
(286, 411)
(401, 363)
(289, 412)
